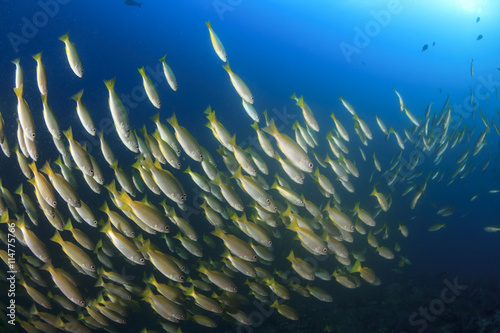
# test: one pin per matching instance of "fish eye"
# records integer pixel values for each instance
(82, 303)
(219, 310)
(181, 278)
(324, 250)
(92, 267)
(268, 201)
(310, 165)
(178, 151)
(178, 164)
(254, 257)
(141, 260)
(32, 135)
(269, 243)
(53, 204)
(132, 233)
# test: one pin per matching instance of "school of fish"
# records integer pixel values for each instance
(252, 201)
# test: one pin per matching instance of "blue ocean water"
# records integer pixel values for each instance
(360, 50)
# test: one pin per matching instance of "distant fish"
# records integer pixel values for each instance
(433, 43)
(132, 3)
(478, 19)
(425, 47)
(479, 37)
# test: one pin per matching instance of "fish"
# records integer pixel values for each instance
(285, 310)
(308, 114)
(84, 114)
(479, 37)
(186, 140)
(41, 74)
(169, 74)
(19, 76)
(72, 55)
(290, 148)
(217, 44)
(133, 3)
(64, 284)
(79, 154)
(472, 67)
(24, 115)
(240, 86)
(150, 88)
(436, 227)
(492, 228)
(118, 112)
(478, 19)
(425, 47)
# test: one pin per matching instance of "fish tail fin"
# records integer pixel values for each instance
(19, 91)
(37, 56)
(46, 169)
(156, 118)
(173, 120)
(217, 232)
(238, 173)
(19, 190)
(271, 128)
(105, 229)
(57, 238)
(162, 59)
(69, 133)
(104, 207)
(78, 96)
(208, 111)
(300, 102)
(356, 267)
(110, 84)
(227, 67)
(68, 225)
(65, 37)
